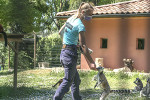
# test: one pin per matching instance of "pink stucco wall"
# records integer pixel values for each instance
(122, 34)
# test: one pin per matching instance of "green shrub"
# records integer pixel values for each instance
(48, 49)
(25, 61)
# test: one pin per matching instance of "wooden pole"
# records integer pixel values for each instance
(14, 49)
(8, 57)
(2, 62)
(34, 49)
(16, 65)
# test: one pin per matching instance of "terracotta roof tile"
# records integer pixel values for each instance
(129, 7)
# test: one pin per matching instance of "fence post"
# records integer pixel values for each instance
(8, 57)
(16, 65)
(34, 49)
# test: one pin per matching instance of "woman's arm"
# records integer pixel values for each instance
(61, 29)
(86, 53)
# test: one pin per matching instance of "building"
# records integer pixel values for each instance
(118, 31)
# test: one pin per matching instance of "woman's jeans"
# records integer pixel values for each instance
(71, 79)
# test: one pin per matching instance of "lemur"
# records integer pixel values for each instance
(101, 80)
(59, 82)
(146, 90)
(4, 34)
(128, 63)
(139, 84)
(138, 87)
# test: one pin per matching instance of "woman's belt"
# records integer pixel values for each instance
(70, 47)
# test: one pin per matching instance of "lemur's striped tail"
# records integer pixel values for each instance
(121, 91)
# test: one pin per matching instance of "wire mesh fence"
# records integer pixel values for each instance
(45, 53)
(52, 57)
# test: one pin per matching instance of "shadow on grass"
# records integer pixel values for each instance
(9, 72)
(91, 94)
(94, 94)
(24, 92)
(6, 72)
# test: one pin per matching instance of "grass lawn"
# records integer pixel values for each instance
(37, 84)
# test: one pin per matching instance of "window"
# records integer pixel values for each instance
(103, 43)
(140, 44)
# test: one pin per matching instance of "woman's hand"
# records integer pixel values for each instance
(93, 67)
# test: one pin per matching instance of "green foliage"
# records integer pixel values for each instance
(18, 16)
(49, 9)
(22, 16)
(25, 61)
(3, 55)
(74, 4)
(11, 59)
(48, 49)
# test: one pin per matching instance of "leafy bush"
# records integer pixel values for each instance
(48, 49)
(25, 60)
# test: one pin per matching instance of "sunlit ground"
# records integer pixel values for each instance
(37, 85)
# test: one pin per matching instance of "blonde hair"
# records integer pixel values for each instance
(83, 7)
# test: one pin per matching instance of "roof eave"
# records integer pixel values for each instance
(122, 15)
(112, 15)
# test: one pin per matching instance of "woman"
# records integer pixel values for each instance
(74, 30)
